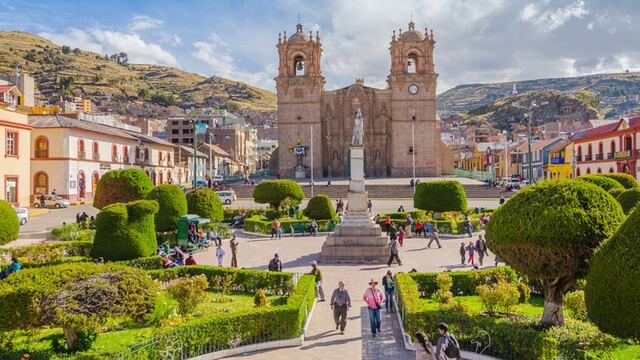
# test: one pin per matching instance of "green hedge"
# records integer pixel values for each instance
(256, 224)
(445, 226)
(320, 208)
(628, 199)
(605, 183)
(616, 191)
(229, 214)
(511, 338)
(464, 282)
(9, 223)
(72, 232)
(247, 281)
(45, 253)
(172, 204)
(275, 192)
(612, 294)
(206, 203)
(126, 231)
(121, 186)
(626, 180)
(444, 195)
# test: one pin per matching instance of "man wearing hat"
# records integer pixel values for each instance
(340, 303)
(374, 298)
(315, 270)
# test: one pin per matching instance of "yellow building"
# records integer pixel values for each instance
(83, 104)
(560, 161)
(15, 143)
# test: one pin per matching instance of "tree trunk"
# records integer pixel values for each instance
(70, 336)
(554, 289)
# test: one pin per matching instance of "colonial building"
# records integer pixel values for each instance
(70, 155)
(560, 166)
(15, 137)
(406, 106)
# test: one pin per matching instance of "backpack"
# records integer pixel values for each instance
(273, 265)
(453, 348)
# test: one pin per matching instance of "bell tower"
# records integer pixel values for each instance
(299, 86)
(412, 82)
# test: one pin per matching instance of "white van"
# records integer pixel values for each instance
(227, 196)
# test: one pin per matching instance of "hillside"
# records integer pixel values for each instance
(114, 82)
(617, 92)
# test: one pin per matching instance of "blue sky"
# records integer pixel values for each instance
(477, 41)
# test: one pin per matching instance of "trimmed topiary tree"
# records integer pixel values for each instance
(126, 231)
(548, 231)
(206, 203)
(612, 294)
(616, 191)
(628, 199)
(320, 208)
(9, 223)
(445, 195)
(275, 192)
(601, 181)
(121, 186)
(172, 203)
(626, 180)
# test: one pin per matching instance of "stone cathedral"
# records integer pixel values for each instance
(408, 101)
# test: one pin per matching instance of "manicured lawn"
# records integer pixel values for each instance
(626, 352)
(118, 334)
(533, 308)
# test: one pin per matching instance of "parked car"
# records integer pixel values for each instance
(218, 178)
(23, 215)
(227, 196)
(51, 201)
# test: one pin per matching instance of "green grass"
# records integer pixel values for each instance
(534, 307)
(625, 351)
(119, 334)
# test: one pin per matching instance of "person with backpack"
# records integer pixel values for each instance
(374, 298)
(393, 247)
(481, 246)
(275, 264)
(448, 346)
(389, 285)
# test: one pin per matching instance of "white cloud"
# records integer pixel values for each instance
(144, 22)
(109, 42)
(170, 39)
(551, 19)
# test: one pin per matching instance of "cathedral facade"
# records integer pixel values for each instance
(399, 121)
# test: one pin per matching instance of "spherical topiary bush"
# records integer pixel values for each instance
(601, 181)
(173, 204)
(121, 186)
(548, 231)
(9, 223)
(628, 199)
(275, 192)
(440, 196)
(626, 180)
(125, 231)
(616, 191)
(206, 203)
(612, 294)
(320, 208)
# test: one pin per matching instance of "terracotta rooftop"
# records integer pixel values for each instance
(535, 146)
(216, 149)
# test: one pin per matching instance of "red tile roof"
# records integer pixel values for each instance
(5, 88)
(595, 131)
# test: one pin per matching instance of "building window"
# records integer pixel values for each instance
(42, 147)
(11, 189)
(175, 131)
(599, 171)
(410, 149)
(412, 64)
(186, 131)
(588, 171)
(96, 151)
(41, 183)
(610, 170)
(114, 153)
(185, 122)
(578, 172)
(11, 143)
(146, 155)
(298, 66)
(175, 122)
(175, 141)
(125, 152)
(81, 153)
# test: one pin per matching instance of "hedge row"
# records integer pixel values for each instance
(248, 326)
(44, 253)
(444, 195)
(72, 232)
(510, 338)
(230, 214)
(247, 281)
(445, 226)
(464, 282)
(626, 180)
(256, 224)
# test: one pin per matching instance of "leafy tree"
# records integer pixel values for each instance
(275, 192)
(76, 51)
(206, 203)
(66, 49)
(173, 204)
(9, 223)
(549, 231)
(612, 291)
(189, 292)
(320, 208)
(121, 186)
(443, 195)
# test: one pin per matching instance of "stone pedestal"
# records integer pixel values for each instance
(358, 239)
(300, 173)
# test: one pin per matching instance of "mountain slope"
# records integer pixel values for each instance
(617, 92)
(59, 69)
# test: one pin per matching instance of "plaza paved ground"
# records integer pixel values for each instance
(391, 181)
(323, 341)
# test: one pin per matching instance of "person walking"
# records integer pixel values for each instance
(481, 246)
(448, 346)
(340, 304)
(393, 247)
(471, 248)
(369, 205)
(387, 223)
(275, 264)
(433, 234)
(220, 254)
(374, 298)
(276, 229)
(389, 285)
(401, 235)
(463, 253)
(234, 250)
(315, 270)
(422, 347)
(468, 225)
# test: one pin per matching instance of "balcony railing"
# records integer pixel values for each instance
(609, 156)
(96, 156)
(41, 154)
(579, 158)
(599, 156)
(557, 160)
(588, 157)
(125, 159)
(82, 155)
(622, 154)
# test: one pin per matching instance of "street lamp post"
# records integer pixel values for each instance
(506, 154)
(413, 148)
(311, 153)
(529, 115)
(194, 124)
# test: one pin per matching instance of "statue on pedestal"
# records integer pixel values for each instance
(358, 133)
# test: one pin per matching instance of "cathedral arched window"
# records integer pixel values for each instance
(412, 63)
(298, 66)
